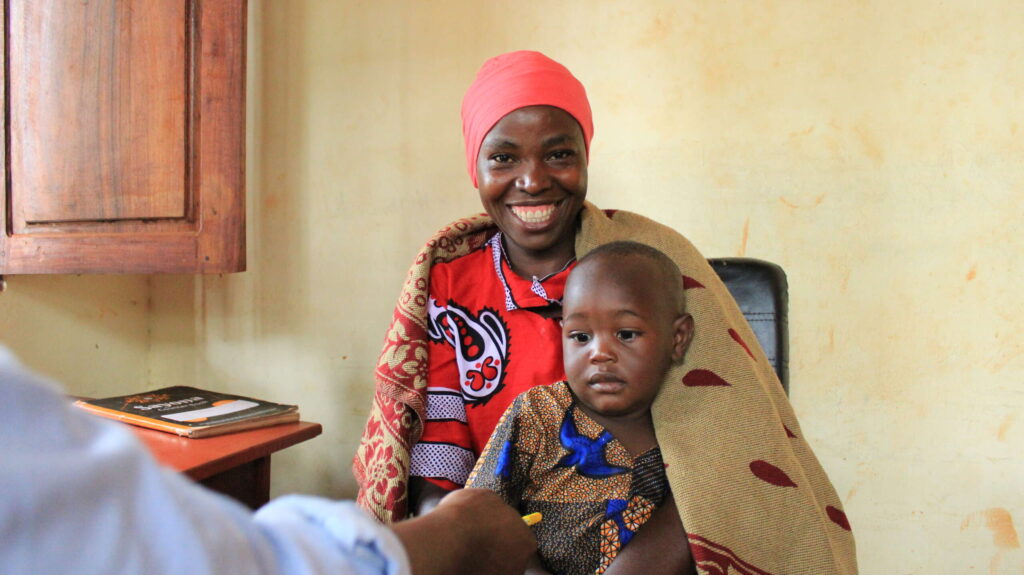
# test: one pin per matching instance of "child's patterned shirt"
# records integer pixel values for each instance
(547, 455)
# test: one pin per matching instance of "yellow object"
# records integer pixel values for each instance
(533, 518)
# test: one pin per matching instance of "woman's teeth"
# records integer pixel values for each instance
(534, 214)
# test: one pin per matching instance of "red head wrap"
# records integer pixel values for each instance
(516, 80)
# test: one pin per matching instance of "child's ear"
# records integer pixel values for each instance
(682, 333)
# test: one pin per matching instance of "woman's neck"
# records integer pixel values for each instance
(528, 264)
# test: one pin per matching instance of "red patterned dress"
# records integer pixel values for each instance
(547, 456)
(488, 343)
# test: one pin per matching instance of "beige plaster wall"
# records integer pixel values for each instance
(90, 333)
(871, 148)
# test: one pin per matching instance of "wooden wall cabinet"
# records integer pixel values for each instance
(124, 132)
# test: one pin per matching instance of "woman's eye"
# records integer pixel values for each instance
(580, 337)
(501, 158)
(562, 155)
(628, 335)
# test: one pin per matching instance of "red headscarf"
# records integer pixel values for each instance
(517, 80)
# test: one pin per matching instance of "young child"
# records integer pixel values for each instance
(583, 453)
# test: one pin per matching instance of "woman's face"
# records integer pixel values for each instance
(532, 178)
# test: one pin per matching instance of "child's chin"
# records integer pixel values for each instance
(609, 409)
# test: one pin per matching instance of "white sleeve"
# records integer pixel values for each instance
(81, 495)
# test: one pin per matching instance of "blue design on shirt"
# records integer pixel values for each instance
(613, 511)
(503, 467)
(586, 454)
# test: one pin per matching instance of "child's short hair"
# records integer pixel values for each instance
(671, 277)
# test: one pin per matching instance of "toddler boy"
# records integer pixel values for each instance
(583, 452)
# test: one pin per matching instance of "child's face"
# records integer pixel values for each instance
(620, 335)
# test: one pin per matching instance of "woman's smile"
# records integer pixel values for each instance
(535, 215)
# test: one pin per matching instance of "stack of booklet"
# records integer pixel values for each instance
(191, 412)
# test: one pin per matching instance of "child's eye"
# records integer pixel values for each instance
(579, 337)
(627, 335)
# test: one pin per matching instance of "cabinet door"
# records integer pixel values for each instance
(125, 142)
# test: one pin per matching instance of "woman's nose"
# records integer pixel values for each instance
(534, 179)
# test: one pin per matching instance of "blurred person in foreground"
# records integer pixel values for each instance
(79, 494)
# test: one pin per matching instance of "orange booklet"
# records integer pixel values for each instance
(191, 412)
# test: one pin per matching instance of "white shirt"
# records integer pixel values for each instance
(81, 495)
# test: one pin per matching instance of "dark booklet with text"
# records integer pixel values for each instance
(190, 411)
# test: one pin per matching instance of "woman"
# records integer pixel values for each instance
(477, 324)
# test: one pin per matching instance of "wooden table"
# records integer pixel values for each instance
(236, 464)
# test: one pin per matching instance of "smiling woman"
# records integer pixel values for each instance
(478, 323)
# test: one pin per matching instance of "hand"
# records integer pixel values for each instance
(503, 542)
(470, 531)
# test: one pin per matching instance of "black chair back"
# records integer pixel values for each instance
(761, 290)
